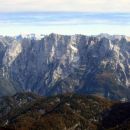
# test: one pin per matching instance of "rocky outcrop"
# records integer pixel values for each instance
(59, 64)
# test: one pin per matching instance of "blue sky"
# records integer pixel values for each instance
(64, 17)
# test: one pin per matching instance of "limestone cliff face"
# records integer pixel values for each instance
(59, 64)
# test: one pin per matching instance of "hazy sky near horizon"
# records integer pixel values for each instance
(64, 16)
(65, 5)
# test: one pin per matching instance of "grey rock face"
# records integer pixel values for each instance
(59, 64)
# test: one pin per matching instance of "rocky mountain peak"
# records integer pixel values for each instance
(62, 63)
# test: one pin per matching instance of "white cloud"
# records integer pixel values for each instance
(65, 5)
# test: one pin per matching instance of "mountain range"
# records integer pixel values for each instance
(58, 64)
